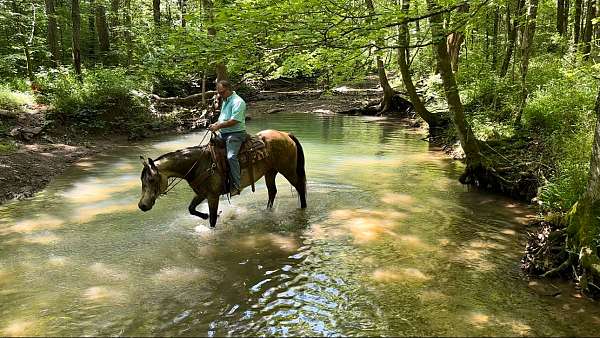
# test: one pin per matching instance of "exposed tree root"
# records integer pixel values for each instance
(521, 184)
(399, 105)
(548, 254)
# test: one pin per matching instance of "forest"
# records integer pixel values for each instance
(514, 82)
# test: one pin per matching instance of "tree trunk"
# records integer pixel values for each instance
(455, 40)
(169, 14)
(76, 20)
(27, 42)
(577, 21)
(128, 38)
(587, 33)
(388, 92)
(512, 38)
(220, 68)
(465, 134)
(560, 16)
(156, 12)
(403, 51)
(566, 14)
(495, 38)
(102, 28)
(114, 18)
(52, 33)
(183, 5)
(526, 48)
(89, 45)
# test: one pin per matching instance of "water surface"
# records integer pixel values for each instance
(390, 244)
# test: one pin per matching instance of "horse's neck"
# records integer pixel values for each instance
(177, 165)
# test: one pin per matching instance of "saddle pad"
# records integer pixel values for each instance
(252, 151)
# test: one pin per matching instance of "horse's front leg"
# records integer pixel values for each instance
(213, 208)
(192, 208)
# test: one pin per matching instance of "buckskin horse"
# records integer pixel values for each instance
(199, 167)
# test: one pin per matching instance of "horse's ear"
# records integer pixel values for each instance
(152, 165)
(143, 161)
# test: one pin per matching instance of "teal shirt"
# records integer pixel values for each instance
(233, 107)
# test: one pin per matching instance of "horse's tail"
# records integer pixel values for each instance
(300, 173)
(299, 160)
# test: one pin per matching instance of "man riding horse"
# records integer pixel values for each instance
(267, 154)
(232, 127)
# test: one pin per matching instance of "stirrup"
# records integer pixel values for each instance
(235, 192)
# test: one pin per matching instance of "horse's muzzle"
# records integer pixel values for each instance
(144, 207)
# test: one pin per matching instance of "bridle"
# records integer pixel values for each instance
(209, 172)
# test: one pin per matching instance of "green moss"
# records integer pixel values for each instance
(7, 147)
(583, 228)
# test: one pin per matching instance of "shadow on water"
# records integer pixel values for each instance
(390, 244)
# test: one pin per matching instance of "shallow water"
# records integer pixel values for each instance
(391, 244)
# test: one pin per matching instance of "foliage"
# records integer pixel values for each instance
(13, 100)
(107, 100)
(7, 147)
(564, 189)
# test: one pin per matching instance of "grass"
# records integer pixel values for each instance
(14, 101)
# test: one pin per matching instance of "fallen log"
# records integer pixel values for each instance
(184, 101)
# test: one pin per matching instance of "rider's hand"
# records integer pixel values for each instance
(213, 127)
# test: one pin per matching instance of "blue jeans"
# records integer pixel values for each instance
(233, 142)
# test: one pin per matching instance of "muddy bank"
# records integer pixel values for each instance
(30, 168)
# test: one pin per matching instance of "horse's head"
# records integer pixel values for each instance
(153, 184)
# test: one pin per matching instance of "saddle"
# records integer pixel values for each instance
(253, 149)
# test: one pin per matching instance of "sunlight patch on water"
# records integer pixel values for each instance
(125, 167)
(395, 198)
(368, 225)
(85, 164)
(102, 270)
(479, 319)
(97, 190)
(4, 275)
(174, 274)
(479, 244)
(388, 275)
(44, 239)
(41, 222)
(474, 258)
(88, 213)
(103, 294)
(282, 242)
(20, 328)
(58, 261)
(433, 296)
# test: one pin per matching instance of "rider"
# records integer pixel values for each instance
(232, 126)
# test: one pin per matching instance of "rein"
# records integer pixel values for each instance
(170, 186)
(175, 182)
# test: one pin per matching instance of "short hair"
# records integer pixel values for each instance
(226, 84)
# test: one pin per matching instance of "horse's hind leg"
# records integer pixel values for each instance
(213, 208)
(271, 188)
(299, 184)
(192, 208)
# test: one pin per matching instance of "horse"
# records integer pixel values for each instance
(197, 166)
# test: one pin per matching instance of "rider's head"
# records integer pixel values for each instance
(224, 88)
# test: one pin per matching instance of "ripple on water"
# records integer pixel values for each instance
(391, 244)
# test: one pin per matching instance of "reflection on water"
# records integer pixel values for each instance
(391, 244)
